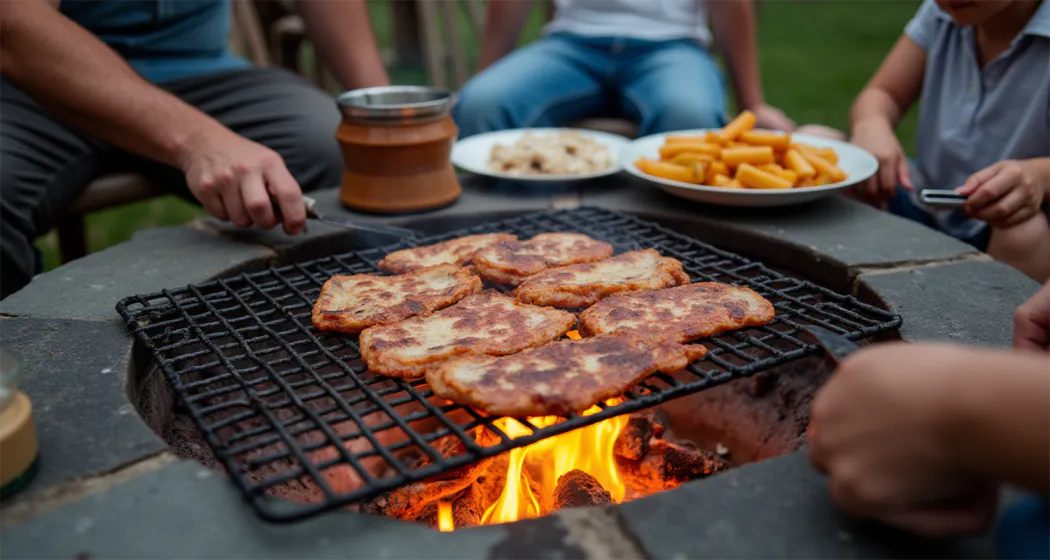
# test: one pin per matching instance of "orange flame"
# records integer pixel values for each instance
(445, 522)
(589, 449)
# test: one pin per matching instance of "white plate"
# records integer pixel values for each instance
(856, 162)
(472, 154)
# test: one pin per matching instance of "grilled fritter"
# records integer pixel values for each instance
(580, 285)
(680, 314)
(511, 262)
(458, 251)
(560, 378)
(351, 304)
(486, 323)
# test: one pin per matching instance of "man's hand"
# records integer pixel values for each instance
(878, 431)
(877, 137)
(771, 118)
(235, 178)
(1003, 194)
(1032, 322)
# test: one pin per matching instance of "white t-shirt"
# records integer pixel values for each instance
(652, 20)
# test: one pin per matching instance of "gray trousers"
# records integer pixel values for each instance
(45, 164)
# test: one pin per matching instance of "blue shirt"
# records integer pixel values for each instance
(971, 117)
(163, 40)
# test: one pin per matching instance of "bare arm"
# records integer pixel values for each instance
(733, 26)
(61, 65)
(343, 33)
(81, 80)
(893, 88)
(503, 24)
(1000, 428)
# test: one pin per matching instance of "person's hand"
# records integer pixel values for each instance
(1032, 322)
(877, 137)
(235, 178)
(1003, 194)
(771, 118)
(877, 430)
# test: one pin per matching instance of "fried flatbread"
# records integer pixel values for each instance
(580, 285)
(560, 378)
(680, 314)
(511, 262)
(486, 323)
(351, 304)
(458, 251)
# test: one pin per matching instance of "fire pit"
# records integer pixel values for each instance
(291, 413)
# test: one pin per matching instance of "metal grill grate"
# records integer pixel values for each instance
(284, 406)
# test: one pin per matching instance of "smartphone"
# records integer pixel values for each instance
(937, 198)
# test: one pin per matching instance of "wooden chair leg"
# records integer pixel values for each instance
(72, 238)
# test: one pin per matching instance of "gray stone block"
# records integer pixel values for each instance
(963, 302)
(780, 508)
(90, 287)
(75, 373)
(187, 511)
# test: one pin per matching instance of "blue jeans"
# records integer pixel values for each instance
(662, 85)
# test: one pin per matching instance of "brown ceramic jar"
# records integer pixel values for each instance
(396, 143)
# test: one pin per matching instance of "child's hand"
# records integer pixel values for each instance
(1032, 322)
(877, 137)
(1003, 194)
(878, 430)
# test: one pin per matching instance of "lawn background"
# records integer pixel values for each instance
(815, 55)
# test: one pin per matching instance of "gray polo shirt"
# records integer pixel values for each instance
(971, 117)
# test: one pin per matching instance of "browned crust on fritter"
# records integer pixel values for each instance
(580, 285)
(390, 298)
(682, 314)
(458, 251)
(555, 379)
(486, 323)
(511, 262)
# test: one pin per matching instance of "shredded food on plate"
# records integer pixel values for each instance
(562, 153)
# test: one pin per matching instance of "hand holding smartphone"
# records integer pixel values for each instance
(940, 198)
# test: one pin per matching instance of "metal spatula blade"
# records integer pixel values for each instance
(837, 346)
(393, 231)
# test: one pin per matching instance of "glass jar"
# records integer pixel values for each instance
(397, 147)
(18, 442)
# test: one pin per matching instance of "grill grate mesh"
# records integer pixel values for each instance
(284, 406)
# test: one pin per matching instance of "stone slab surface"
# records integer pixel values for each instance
(188, 511)
(74, 372)
(90, 287)
(780, 508)
(820, 238)
(965, 302)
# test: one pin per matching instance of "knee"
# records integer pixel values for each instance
(1025, 246)
(482, 106)
(683, 114)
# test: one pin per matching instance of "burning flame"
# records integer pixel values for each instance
(589, 449)
(445, 523)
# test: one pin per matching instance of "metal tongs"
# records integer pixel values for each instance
(393, 231)
(837, 346)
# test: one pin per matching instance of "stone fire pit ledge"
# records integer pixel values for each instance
(109, 488)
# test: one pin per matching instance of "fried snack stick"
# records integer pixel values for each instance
(823, 166)
(794, 161)
(742, 123)
(666, 170)
(753, 177)
(755, 155)
(766, 138)
(670, 150)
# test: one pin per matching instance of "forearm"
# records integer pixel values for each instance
(733, 25)
(77, 77)
(876, 108)
(503, 24)
(1000, 411)
(342, 32)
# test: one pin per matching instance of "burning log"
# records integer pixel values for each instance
(408, 502)
(579, 489)
(633, 442)
(667, 466)
(467, 509)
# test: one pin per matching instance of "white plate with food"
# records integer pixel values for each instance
(540, 154)
(761, 168)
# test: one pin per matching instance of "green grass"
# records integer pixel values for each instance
(816, 55)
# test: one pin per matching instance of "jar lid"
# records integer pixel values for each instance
(10, 367)
(393, 105)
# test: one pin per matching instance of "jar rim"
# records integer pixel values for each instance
(393, 104)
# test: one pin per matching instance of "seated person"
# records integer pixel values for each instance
(979, 71)
(92, 87)
(920, 436)
(644, 60)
